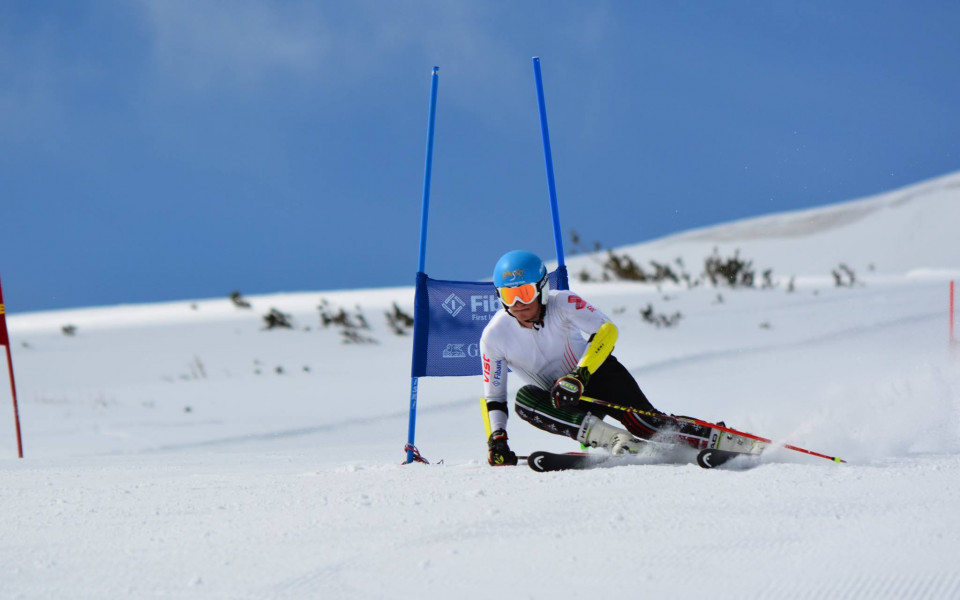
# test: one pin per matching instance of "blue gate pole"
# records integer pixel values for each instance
(428, 170)
(421, 265)
(562, 282)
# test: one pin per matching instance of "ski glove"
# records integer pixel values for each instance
(567, 390)
(500, 453)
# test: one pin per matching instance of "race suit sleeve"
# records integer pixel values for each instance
(580, 313)
(494, 382)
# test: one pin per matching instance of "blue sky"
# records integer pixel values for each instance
(178, 149)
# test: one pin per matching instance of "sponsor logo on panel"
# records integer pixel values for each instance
(454, 350)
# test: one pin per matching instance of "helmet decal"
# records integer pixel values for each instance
(515, 275)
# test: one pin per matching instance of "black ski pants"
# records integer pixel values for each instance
(613, 383)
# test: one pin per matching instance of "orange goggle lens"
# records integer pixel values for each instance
(525, 294)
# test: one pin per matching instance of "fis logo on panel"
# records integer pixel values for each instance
(453, 305)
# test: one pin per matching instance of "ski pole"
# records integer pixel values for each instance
(751, 436)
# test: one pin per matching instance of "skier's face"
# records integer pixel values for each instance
(526, 314)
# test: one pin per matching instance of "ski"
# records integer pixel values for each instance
(710, 458)
(543, 462)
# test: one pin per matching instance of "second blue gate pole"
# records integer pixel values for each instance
(562, 282)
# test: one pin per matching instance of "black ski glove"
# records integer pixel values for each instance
(500, 453)
(567, 390)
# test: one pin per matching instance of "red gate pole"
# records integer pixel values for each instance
(16, 411)
(5, 341)
(952, 334)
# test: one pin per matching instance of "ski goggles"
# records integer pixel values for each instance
(524, 294)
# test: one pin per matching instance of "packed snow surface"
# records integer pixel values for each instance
(184, 450)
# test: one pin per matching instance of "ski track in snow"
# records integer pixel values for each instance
(311, 431)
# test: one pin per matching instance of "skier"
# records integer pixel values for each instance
(540, 335)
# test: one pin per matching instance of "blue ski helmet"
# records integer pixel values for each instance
(518, 267)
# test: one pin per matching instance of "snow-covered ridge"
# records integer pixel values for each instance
(912, 231)
(915, 227)
(818, 220)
